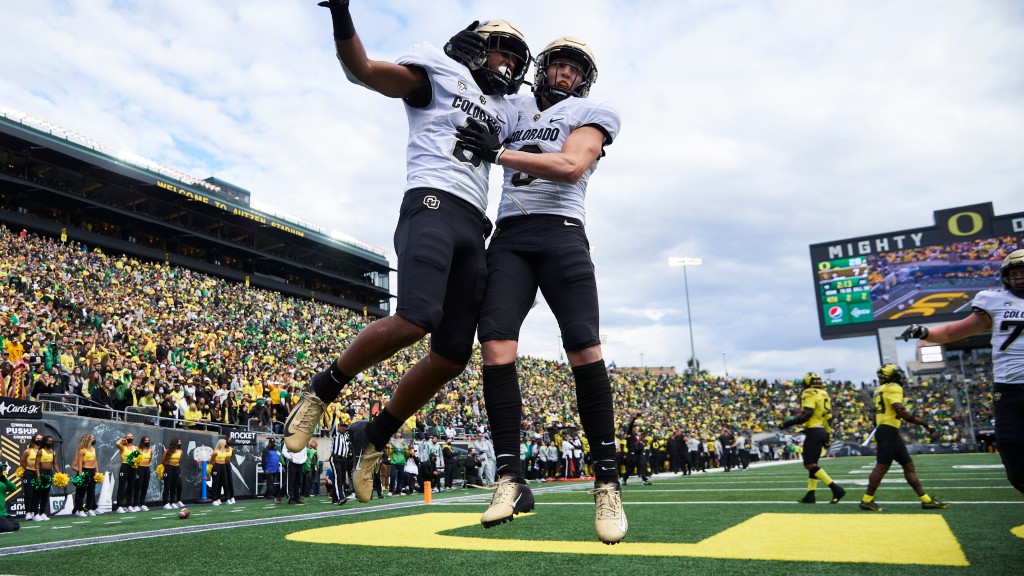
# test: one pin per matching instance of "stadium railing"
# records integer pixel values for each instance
(72, 404)
(59, 402)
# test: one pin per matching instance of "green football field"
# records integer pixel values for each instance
(743, 522)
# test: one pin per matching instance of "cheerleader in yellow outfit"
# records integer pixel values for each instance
(44, 473)
(85, 462)
(140, 483)
(171, 461)
(223, 487)
(28, 464)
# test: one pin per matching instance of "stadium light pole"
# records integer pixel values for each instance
(684, 262)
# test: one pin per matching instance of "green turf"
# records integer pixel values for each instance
(673, 510)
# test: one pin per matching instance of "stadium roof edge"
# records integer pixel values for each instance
(88, 150)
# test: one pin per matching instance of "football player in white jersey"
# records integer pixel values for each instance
(1002, 312)
(541, 242)
(441, 228)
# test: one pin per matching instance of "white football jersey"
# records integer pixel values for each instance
(433, 160)
(537, 131)
(1007, 313)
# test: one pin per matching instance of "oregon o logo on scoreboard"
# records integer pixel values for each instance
(954, 223)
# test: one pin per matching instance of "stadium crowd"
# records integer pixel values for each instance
(114, 333)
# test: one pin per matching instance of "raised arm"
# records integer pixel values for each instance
(392, 80)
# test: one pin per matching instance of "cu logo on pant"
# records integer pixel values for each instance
(431, 202)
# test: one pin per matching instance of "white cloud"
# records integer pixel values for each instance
(750, 130)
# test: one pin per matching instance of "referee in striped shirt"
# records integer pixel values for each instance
(339, 462)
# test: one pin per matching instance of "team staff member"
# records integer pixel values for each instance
(171, 461)
(635, 458)
(125, 474)
(140, 483)
(272, 468)
(889, 414)
(44, 471)
(441, 228)
(85, 462)
(1002, 312)
(816, 416)
(449, 460)
(28, 461)
(296, 460)
(541, 244)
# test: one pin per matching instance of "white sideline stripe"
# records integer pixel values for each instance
(749, 502)
(791, 477)
(159, 533)
(894, 481)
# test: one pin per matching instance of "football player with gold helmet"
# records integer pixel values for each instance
(442, 224)
(541, 243)
(1002, 312)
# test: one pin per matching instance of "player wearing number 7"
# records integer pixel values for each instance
(541, 242)
(441, 227)
(1002, 312)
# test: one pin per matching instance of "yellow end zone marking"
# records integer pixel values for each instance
(880, 539)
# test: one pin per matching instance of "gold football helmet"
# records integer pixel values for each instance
(572, 49)
(1013, 261)
(501, 36)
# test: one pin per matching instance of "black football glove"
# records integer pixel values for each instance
(467, 45)
(914, 331)
(477, 138)
(343, 27)
(786, 424)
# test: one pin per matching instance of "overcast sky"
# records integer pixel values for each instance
(750, 130)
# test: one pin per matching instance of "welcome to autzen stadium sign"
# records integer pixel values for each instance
(921, 274)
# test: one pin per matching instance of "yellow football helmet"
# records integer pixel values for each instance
(891, 374)
(812, 380)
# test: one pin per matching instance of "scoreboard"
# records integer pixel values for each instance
(912, 276)
(844, 292)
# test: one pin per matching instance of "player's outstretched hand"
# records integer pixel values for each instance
(477, 138)
(914, 331)
(466, 45)
(342, 20)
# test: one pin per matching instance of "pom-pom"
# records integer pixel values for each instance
(18, 472)
(80, 480)
(98, 477)
(61, 479)
(134, 459)
(42, 482)
(209, 469)
(159, 470)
